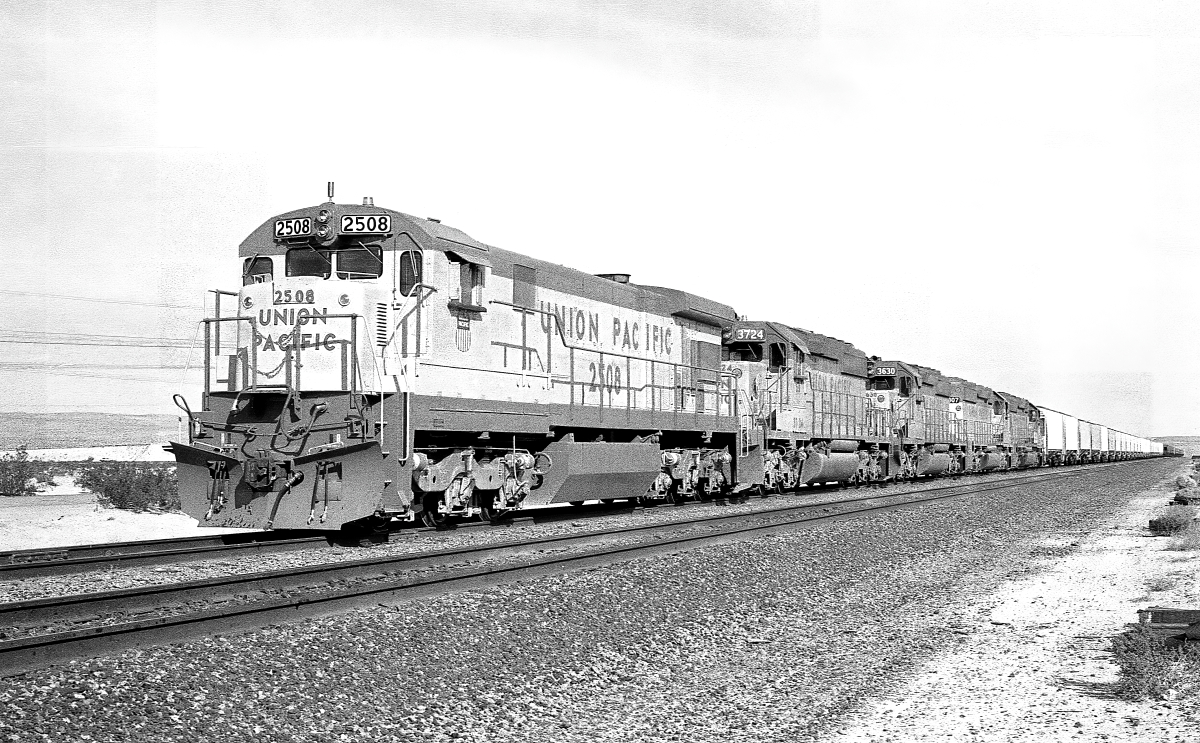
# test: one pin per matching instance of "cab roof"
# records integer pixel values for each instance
(430, 234)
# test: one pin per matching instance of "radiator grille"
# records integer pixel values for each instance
(381, 324)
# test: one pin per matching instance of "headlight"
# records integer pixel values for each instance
(323, 216)
(247, 302)
(344, 300)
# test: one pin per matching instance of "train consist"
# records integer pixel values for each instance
(376, 366)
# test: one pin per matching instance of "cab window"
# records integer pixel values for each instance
(308, 262)
(742, 352)
(470, 283)
(882, 383)
(258, 270)
(524, 286)
(410, 271)
(778, 356)
(361, 262)
(905, 386)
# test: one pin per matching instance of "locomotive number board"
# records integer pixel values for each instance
(885, 371)
(298, 227)
(749, 334)
(366, 224)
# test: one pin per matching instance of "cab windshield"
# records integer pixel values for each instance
(360, 262)
(309, 262)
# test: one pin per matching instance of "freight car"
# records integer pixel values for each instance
(376, 366)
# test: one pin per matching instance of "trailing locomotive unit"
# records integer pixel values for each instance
(382, 365)
(803, 396)
(824, 412)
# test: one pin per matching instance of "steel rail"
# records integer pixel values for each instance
(20, 654)
(21, 564)
(31, 563)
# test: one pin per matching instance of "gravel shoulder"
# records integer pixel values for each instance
(786, 637)
(1036, 666)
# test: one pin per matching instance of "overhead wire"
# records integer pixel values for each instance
(53, 338)
(82, 365)
(101, 300)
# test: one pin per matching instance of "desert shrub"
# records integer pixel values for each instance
(1161, 583)
(1173, 520)
(19, 474)
(133, 486)
(1150, 669)
(1183, 481)
(1187, 539)
(1187, 495)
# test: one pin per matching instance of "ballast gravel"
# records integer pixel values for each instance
(412, 541)
(774, 638)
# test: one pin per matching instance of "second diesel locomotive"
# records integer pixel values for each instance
(377, 366)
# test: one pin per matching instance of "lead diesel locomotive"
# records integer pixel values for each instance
(375, 366)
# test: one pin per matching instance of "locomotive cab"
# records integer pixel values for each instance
(892, 384)
(768, 362)
(292, 430)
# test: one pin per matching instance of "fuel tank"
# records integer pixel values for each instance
(932, 464)
(992, 461)
(835, 467)
(1029, 459)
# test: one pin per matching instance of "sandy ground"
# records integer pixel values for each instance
(123, 453)
(1034, 664)
(63, 515)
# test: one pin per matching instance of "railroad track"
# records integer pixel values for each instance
(33, 563)
(44, 631)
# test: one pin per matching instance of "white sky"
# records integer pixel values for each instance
(1008, 194)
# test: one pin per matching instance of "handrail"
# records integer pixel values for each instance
(293, 352)
(562, 337)
(721, 373)
(416, 306)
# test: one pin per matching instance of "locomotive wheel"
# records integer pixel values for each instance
(485, 501)
(429, 513)
(761, 490)
(674, 497)
(491, 515)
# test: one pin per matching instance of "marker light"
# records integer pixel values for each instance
(247, 302)
(344, 300)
